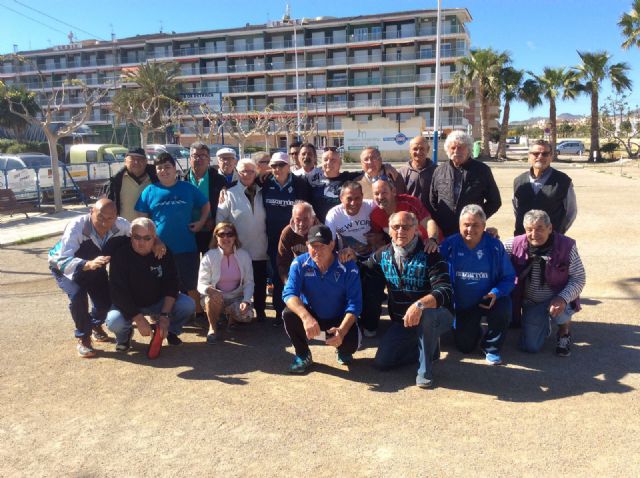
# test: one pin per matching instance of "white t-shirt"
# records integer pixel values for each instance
(312, 175)
(350, 231)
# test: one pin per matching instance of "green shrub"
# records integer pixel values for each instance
(17, 148)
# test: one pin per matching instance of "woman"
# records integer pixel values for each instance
(243, 207)
(225, 280)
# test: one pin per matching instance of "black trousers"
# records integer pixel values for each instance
(372, 298)
(295, 331)
(260, 288)
(468, 332)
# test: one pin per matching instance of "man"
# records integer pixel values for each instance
(140, 285)
(350, 224)
(294, 150)
(544, 187)
(170, 204)
(459, 182)
(550, 277)
(325, 189)
(418, 172)
(125, 187)
(78, 263)
(482, 278)
(279, 193)
(308, 159)
(293, 240)
(420, 295)
(206, 178)
(372, 169)
(227, 161)
(322, 295)
(388, 202)
(261, 158)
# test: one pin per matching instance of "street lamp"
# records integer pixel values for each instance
(436, 106)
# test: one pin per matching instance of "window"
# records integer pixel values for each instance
(91, 156)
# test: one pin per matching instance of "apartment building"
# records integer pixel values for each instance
(363, 68)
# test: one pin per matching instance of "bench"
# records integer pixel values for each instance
(92, 189)
(10, 205)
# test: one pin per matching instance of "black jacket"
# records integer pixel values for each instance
(217, 183)
(115, 183)
(478, 187)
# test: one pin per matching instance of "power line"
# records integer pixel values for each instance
(32, 19)
(60, 21)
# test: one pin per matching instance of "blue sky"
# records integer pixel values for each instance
(537, 33)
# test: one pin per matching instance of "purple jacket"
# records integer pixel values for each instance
(556, 271)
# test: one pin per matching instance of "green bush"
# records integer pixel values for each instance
(609, 148)
(17, 148)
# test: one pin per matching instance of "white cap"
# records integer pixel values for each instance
(279, 158)
(223, 151)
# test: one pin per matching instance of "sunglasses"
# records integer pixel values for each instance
(330, 148)
(405, 227)
(137, 237)
(278, 165)
(382, 177)
(225, 234)
(538, 153)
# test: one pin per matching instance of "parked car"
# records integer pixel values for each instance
(96, 153)
(513, 140)
(9, 162)
(35, 160)
(179, 153)
(570, 147)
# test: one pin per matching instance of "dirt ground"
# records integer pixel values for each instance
(230, 410)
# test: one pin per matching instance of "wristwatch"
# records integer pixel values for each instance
(419, 305)
(434, 239)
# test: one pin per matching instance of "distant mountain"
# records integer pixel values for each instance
(535, 119)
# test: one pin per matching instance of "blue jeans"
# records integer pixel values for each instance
(402, 345)
(536, 324)
(183, 308)
(94, 285)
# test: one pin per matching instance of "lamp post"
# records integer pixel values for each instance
(436, 106)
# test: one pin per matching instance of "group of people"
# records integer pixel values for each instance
(329, 243)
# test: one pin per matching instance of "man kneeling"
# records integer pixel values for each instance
(142, 285)
(322, 294)
(419, 296)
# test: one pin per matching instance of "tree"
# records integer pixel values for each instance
(511, 88)
(481, 71)
(620, 125)
(593, 70)
(630, 25)
(10, 120)
(51, 101)
(153, 105)
(553, 84)
(565, 129)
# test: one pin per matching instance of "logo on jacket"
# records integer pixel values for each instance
(480, 253)
(156, 271)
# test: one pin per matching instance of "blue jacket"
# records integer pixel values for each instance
(330, 295)
(478, 271)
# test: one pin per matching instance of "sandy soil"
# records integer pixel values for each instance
(230, 410)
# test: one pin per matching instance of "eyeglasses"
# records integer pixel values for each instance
(382, 177)
(266, 161)
(137, 237)
(540, 153)
(404, 227)
(246, 171)
(278, 165)
(200, 156)
(330, 148)
(225, 234)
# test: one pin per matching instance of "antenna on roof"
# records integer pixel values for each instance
(160, 26)
(70, 37)
(113, 34)
(287, 13)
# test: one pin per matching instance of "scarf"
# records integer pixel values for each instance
(539, 255)
(400, 254)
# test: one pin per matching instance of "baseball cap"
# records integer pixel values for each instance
(279, 158)
(136, 152)
(320, 233)
(223, 151)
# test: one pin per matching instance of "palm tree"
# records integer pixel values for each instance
(630, 25)
(481, 70)
(511, 87)
(553, 84)
(593, 70)
(150, 106)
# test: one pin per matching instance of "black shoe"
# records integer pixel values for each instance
(126, 345)
(173, 339)
(563, 346)
(277, 322)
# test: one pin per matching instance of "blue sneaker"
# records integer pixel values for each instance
(300, 364)
(344, 359)
(493, 358)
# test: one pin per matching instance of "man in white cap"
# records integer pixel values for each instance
(227, 161)
(280, 191)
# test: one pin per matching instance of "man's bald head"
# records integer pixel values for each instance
(418, 150)
(103, 215)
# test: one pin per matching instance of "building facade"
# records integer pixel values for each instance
(362, 68)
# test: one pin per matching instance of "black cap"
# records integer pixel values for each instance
(136, 152)
(320, 233)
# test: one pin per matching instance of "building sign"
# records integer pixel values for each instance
(384, 140)
(213, 100)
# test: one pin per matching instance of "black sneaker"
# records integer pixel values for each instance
(123, 347)
(563, 346)
(173, 339)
